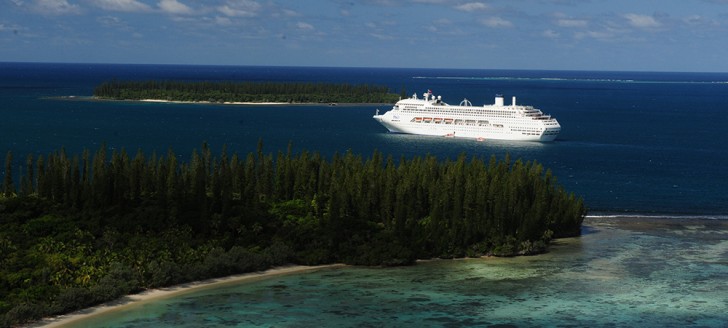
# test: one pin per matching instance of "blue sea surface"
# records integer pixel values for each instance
(645, 150)
(631, 142)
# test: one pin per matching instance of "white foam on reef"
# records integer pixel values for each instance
(660, 216)
(561, 79)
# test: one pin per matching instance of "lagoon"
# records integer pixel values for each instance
(623, 272)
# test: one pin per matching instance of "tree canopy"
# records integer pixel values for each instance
(220, 92)
(78, 230)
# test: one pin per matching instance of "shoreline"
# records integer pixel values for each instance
(592, 224)
(160, 293)
(163, 101)
(199, 102)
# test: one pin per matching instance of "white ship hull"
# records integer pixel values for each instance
(430, 116)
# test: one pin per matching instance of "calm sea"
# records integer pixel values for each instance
(633, 144)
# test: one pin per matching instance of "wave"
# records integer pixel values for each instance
(562, 79)
(659, 216)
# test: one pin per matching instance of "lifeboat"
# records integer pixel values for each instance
(427, 119)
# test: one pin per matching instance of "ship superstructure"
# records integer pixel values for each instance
(431, 116)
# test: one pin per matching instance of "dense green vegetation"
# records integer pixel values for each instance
(80, 230)
(219, 92)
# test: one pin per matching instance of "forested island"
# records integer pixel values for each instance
(245, 92)
(79, 230)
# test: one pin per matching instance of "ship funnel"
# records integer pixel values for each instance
(514, 101)
(498, 100)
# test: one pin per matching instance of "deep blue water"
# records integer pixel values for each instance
(631, 142)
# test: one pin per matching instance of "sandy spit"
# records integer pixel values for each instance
(156, 294)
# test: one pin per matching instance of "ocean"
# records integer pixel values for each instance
(636, 146)
(634, 143)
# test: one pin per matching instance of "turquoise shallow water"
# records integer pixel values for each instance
(621, 272)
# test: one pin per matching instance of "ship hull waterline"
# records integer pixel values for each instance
(459, 132)
(431, 116)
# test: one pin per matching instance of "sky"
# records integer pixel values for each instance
(607, 35)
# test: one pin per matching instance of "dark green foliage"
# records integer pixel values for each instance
(220, 92)
(8, 187)
(88, 229)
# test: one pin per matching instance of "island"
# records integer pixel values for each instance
(245, 92)
(77, 230)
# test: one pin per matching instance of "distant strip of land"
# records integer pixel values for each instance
(233, 103)
(156, 294)
(276, 93)
(208, 102)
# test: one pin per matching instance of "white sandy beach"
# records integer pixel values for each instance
(92, 98)
(155, 294)
(248, 103)
(208, 102)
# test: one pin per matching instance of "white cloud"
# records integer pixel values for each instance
(496, 22)
(472, 6)
(438, 25)
(121, 5)
(304, 26)
(224, 21)
(641, 21)
(693, 19)
(551, 34)
(114, 23)
(571, 23)
(110, 21)
(290, 13)
(15, 29)
(597, 35)
(240, 8)
(697, 20)
(4, 28)
(383, 37)
(55, 7)
(174, 7)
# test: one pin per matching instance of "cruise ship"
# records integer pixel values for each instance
(431, 116)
